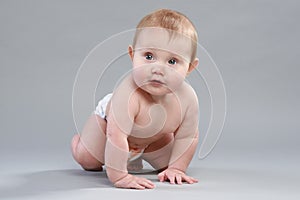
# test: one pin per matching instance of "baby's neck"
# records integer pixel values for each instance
(160, 99)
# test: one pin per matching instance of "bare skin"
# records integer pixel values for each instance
(93, 159)
(152, 109)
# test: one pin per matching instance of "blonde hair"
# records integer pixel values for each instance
(170, 20)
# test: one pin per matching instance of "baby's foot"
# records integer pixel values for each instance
(83, 157)
(135, 165)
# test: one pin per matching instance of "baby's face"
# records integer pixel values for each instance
(160, 60)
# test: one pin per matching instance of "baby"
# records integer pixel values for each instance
(152, 114)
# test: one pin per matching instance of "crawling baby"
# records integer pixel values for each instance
(152, 114)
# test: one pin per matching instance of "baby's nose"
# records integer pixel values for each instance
(157, 70)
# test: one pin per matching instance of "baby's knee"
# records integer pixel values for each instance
(79, 153)
(87, 160)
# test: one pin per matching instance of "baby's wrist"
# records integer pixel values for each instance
(120, 178)
(176, 168)
(115, 175)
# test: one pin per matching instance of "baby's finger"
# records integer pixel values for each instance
(195, 180)
(148, 185)
(135, 185)
(161, 176)
(148, 182)
(171, 178)
(189, 179)
(178, 179)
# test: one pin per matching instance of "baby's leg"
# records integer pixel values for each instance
(135, 165)
(88, 147)
(158, 153)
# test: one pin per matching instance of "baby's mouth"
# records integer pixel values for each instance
(156, 82)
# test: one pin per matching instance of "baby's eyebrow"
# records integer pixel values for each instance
(144, 49)
(155, 48)
(177, 56)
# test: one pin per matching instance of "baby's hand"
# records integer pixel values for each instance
(175, 174)
(134, 182)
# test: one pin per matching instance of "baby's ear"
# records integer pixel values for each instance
(193, 65)
(130, 52)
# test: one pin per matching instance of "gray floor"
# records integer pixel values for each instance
(39, 177)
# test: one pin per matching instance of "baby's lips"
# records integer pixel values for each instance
(157, 81)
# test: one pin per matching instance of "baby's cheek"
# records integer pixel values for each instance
(138, 76)
(175, 80)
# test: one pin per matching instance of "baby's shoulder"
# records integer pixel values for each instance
(125, 97)
(187, 92)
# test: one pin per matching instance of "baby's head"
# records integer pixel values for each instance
(172, 21)
(163, 51)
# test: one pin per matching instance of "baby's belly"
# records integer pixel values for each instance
(143, 142)
(146, 131)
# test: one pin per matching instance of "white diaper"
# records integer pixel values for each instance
(102, 105)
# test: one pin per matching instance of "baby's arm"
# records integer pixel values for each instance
(116, 151)
(185, 144)
(119, 124)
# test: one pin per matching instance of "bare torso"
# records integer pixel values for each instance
(151, 128)
(154, 120)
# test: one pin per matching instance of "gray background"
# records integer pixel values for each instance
(255, 45)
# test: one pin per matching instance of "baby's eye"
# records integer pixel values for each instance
(149, 56)
(172, 61)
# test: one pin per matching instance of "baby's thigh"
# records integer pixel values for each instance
(93, 136)
(158, 153)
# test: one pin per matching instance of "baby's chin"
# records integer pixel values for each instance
(156, 91)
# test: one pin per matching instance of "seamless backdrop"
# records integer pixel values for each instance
(254, 43)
